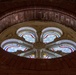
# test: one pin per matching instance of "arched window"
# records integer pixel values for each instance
(28, 33)
(49, 34)
(13, 45)
(28, 54)
(47, 54)
(65, 46)
(36, 46)
(31, 56)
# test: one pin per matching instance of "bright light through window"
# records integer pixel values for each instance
(39, 46)
(14, 45)
(49, 38)
(66, 47)
(29, 38)
(50, 34)
(28, 33)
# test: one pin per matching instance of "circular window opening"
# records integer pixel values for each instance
(42, 43)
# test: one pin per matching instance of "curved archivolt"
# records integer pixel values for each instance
(28, 33)
(65, 46)
(49, 34)
(14, 45)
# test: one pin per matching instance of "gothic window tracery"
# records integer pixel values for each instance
(49, 34)
(52, 49)
(28, 33)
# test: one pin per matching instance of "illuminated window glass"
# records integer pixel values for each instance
(46, 56)
(31, 56)
(66, 46)
(28, 54)
(28, 33)
(44, 48)
(29, 37)
(13, 45)
(50, 34)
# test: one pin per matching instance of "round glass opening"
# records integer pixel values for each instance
(43, 41)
